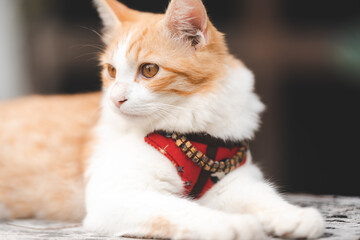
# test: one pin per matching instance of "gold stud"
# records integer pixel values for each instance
(243, 158)
(205, 159)
(227, 163)
(215, 167)
(222, 166)
(237, 160)
(189, 154)
(195, 159)
(210, 162)
(184, 148)
(207, 167)
(174, 136)
(179, 142)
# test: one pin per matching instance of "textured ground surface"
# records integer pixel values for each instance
(342, 222)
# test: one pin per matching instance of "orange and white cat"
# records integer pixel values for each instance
(84, 157)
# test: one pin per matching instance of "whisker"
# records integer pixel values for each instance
(96, 46)
(96, 54)
(92, 30)
(93, 59)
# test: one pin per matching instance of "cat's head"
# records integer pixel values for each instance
(159, 67)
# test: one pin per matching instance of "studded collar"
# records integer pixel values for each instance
(200, 160)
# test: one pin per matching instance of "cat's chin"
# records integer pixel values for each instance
(127, 114)
(121, 112)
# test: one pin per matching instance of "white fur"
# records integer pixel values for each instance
(230, 118)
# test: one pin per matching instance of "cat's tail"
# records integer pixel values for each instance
(4, 212)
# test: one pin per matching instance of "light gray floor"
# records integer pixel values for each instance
(342, 222)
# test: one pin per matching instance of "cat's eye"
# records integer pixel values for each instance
(111, 71)
(149, 70)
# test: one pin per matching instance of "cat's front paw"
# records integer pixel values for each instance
(244, 227)
(229, 227)
(248, 227)
(297, 223)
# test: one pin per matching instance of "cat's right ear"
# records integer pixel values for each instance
(187, 21)
(113, 13)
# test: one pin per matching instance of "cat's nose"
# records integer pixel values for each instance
(118, 103)
(118, 94)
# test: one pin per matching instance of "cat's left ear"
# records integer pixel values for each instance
(113, 13)
(187, 20)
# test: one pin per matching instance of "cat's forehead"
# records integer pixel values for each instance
(130, 46)
(136, 42)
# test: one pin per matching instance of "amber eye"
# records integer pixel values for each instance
(149, 70)
(111, 71)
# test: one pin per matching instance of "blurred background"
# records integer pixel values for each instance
(305, 56)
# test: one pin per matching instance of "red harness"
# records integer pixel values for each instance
(197, 181)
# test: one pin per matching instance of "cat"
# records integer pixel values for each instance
(98, 157)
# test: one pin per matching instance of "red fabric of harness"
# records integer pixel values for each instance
(188, 170)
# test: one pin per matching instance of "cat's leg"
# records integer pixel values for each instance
(151, 214)
(244, 191)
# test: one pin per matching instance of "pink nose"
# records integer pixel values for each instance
(119, 103)
(118, 94)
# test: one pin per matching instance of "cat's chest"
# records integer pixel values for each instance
(128, 148)
(125, 156)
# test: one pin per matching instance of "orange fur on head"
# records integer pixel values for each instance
(191, 53)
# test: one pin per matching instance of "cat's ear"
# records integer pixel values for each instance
(113, 13)
(188, 21)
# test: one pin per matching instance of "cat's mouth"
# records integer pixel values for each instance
(121, 108)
